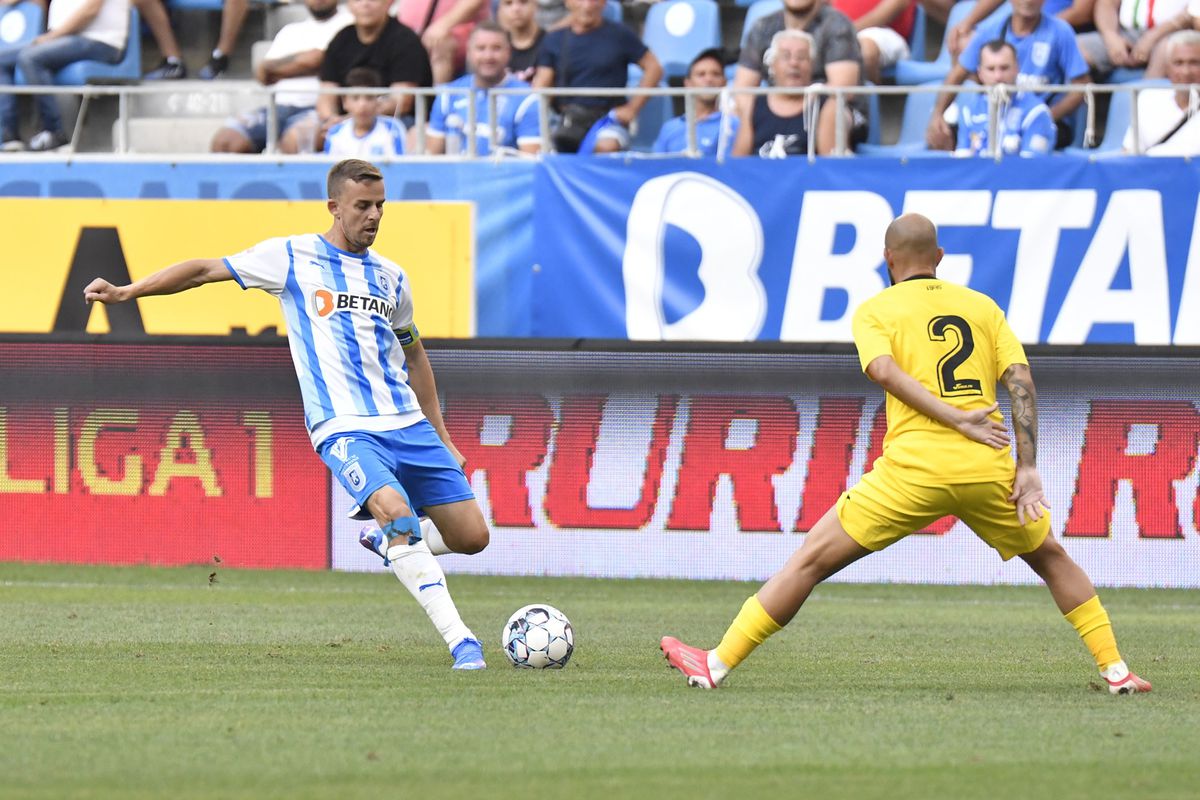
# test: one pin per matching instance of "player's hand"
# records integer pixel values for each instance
(938, 135)
(978, 426)
(1028, 496)
(102, 291)
(458, 457)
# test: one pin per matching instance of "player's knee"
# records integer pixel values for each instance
(474, 538)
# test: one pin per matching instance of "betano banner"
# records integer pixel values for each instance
(64, 244)
(1074, 252)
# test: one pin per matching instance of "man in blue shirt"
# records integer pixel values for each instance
(488, 52)
(594, 53)
(1023, 124)
(1046, 54)
(715, 130)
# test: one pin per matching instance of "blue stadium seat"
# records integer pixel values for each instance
(917, 108)
(20, 24)
(874, 119)
(757, 10)
(678, 30)
(128, 69)
(613, 12)
(197, 5)
(656, 111)
(916, 39)
(911, 72)
(1126, 75)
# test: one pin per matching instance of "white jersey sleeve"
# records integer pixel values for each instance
(263, 266)
(402, 317)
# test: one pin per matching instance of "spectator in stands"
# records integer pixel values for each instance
(154, 14)
(592, 52)
(1076, 13)
(778, 125)
(1023, 122)
(518, 17)
(365, 133)
(715, 129)
(377, 41)
(444, 26)
(291, 64)
(836, 57)
(884, 28)
(1046, 54)
(1168, 120)
(1129, 33)
(76, 30)
(488, 53)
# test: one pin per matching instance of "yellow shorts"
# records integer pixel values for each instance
(887, 505)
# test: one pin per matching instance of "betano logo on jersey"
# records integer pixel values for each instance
(326, 302)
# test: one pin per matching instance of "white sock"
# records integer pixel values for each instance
(433, 538)
(716, 667)
(1116, 671)
(421, 574)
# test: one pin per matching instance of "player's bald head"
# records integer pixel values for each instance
(911, 236)
(910, 247)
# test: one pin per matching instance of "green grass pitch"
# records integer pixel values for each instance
(148, 683)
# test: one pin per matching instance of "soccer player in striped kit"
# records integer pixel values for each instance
(370, 401)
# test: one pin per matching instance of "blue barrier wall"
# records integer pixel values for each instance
(1074, 251)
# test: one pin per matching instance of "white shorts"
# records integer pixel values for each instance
(892, 47)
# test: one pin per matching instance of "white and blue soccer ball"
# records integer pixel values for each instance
(538, 636)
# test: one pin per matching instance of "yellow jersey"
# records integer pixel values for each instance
(956, 342)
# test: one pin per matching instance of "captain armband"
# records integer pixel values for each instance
(407, 336)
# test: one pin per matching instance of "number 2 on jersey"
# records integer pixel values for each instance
(948, 382)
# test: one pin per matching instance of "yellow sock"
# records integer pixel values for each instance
(750, 628)
(1092, 623)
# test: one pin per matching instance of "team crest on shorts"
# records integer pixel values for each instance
(354, 475)
(341, 447)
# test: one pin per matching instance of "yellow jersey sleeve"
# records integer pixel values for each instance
(870, 336)
(1008, 349)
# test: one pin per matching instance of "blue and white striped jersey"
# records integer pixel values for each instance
(347, 316)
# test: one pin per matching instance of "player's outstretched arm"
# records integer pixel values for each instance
(1027, 495)
(420, 378)
(175, 278)
(977, 424)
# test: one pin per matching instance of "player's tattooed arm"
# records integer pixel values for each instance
(1019, 382)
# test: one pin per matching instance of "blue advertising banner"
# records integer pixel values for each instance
(1074, 251)
(502, 193)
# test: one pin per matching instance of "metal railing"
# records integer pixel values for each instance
(422, 97)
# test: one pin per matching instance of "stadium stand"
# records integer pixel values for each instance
(678, 30)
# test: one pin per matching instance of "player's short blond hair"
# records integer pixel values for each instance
(351, 169)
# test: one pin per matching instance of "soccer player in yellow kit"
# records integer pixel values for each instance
(939, 350)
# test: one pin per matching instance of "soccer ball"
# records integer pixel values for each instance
(538, 636)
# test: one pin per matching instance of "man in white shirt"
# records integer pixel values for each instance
(290, 65)
(1168, 122)
(76, 30)
(370, 400)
